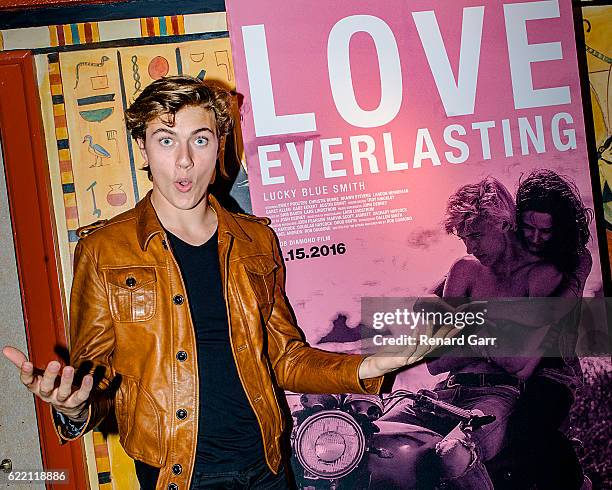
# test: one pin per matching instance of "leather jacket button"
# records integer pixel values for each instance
(181, 414)
(178, 299)
(177, 469)
(181, 355)
(173, 486)
(130, 282)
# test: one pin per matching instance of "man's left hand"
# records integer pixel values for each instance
(391, 358)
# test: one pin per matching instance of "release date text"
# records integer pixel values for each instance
(316, 251)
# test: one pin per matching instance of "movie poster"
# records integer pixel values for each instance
(360, 120)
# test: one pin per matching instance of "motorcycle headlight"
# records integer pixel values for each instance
(329, 444)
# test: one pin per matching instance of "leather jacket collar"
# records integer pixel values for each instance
(148, 223)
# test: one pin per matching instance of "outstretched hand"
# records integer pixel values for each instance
(391, 358)
(63, 396)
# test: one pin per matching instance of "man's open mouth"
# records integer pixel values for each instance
(183, 185)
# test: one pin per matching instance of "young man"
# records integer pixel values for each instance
(179, 320)
(483, 216)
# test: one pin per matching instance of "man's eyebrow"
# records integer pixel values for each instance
(162, 130)
(205, 128)
(169, 131)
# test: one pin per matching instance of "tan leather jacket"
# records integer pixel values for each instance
(130, 318)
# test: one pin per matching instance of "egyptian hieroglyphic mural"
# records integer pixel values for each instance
(597, 21)
(97, 85)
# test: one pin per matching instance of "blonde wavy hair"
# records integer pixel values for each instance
(488, 199)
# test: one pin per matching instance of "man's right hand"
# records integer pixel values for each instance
(66, 399)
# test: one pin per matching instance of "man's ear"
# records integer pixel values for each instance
(141, 147)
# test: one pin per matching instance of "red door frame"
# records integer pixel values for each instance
(31, 209)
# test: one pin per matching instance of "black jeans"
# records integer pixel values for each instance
(257, 476)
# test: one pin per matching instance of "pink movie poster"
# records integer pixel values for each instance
(363, 123)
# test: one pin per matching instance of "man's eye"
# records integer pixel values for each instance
(165, 141)
(201, 141)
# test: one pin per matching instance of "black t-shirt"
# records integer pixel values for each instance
(229, 438)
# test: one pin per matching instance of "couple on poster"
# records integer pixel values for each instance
(534, 247)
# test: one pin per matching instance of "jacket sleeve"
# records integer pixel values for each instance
(299, 367)
(92, 341)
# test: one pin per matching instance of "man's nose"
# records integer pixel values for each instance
(183, 158)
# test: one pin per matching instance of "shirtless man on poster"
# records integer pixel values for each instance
(498, 265)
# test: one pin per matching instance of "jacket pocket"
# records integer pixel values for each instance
(139, 423)
(131, 292)
(261, 274)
